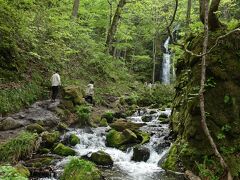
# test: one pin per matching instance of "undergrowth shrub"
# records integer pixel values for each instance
(83, 113)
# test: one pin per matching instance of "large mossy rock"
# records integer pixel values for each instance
(35, 128)
(73, 140)
(74, 93)
(101, 158)
(49, 138)
(78, 169)
(9, 123)
(222, 106)
(122, 124)
(117, 139)
(63, 150)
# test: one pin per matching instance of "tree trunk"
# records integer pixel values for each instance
(188, 17)
(201, 92)
(113, 28)
(75, 8)
(213, 21)
(154, 61)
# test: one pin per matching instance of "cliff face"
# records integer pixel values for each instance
(191, 150)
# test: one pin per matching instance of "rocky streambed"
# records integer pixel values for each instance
(142, 162)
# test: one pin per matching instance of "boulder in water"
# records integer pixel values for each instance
(101, 158)
(146, 118)
(117, 139)
(140, 153)
(81, 169)
(73, 140)
(63, 150)
(9, 123)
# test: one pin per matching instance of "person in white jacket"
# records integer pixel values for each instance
(90, 93)
(56, 82)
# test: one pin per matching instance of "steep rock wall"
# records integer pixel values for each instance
(191, 150)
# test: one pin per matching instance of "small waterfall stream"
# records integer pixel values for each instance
(166, 63)
(93, 139)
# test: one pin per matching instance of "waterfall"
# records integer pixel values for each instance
(166, 64)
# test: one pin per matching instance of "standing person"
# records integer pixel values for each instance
(56, 82)
(90, 93)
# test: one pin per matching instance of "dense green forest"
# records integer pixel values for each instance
(128, 48)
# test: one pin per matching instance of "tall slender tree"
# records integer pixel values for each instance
(75, 8)
(188, 16)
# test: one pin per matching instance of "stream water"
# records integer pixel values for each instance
(93, 139)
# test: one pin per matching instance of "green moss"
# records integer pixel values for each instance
(171, 161)
(101, 158)
(103, 123)
(143, 136)
(21, 146)
(73, 140)
(49, 138)
(109, 116)
(40, 162)
(63, 150)
(62, 126)
(11, 173)
(80, 169)
(22, 170)
(83, 113)
(35, 128)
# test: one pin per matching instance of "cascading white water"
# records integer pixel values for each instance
(166, 64)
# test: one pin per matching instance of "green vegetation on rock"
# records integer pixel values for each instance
(19, 147)
(83, 113)
(10, 173)
(101, 158)
(80, 169)
(49, 138)
(63, 150)
(74, 140)
(35, 128)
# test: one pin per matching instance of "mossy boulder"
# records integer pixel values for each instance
(143, 137)
(101, 158)
(44, 150)
(122, 124)
(35, 128)
(109, 116)
(73, 140)
(22, 170)
(78, 169)
(49, 138)
(63, 150)
(103, 123)
(222, 106)
(74, 94)
(9, 123)
(62, 126)
(117, 139)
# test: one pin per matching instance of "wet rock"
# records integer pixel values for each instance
(122, 124)
(38, 162)
(143, 137)
(163, 115)
(140, 153)
(9, 123)
(146, 118)
(162, 146)
(101, 158)
(163, 120)
(49, 138)
(81, 169)
(152, 112)
(44, 151)
(35, 128)
(130, 137)
(63, 150)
